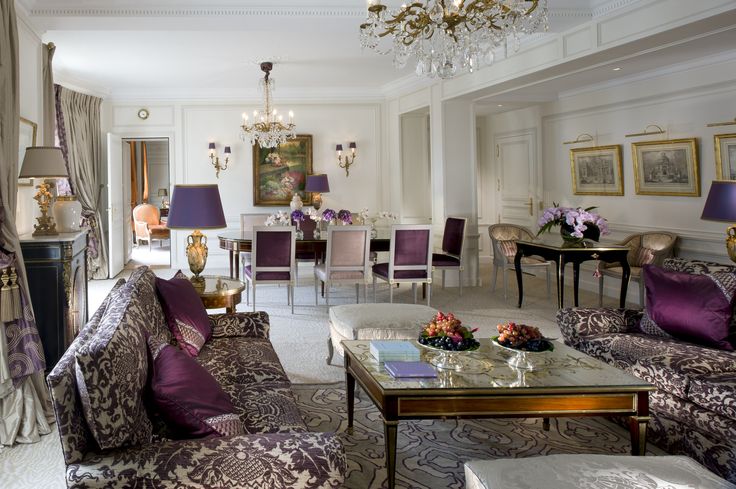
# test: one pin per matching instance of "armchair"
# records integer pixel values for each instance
(148, 226)
(503, 241)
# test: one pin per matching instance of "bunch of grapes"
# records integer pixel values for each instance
(446, 332)
(518, 335)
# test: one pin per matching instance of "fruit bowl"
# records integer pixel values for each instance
(521, 339)
(446, 334)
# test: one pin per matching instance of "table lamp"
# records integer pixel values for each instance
(196, 207)
(318, 185)
(163, 193)
(721, 206)
(44, 162)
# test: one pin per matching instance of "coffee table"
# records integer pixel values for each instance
(564, 382)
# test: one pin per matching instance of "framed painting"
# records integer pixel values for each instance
(725, 156)
(597, 170)
(26, 138)
(279, 173)
(667, 167)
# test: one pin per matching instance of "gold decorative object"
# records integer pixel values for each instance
(44, 162)
(731, 243)
(46, 225)
(647, 132)
(346, 161)
(719, 124)
(582, 138)
(216, 159)
(268, 128)
(197, 252)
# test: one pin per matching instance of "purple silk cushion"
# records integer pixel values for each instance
(694, 308)
(185, 314)
(187, 397)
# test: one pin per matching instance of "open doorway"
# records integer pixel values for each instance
(146, 192)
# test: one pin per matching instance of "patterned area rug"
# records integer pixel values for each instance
(431, 453)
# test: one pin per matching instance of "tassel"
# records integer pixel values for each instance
(15, 290)
(6, 299)
(597, 273)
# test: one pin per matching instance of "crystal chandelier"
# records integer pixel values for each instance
(268, 128)
(449, 37)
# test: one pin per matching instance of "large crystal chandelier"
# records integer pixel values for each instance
(449, 37)
(268, 128)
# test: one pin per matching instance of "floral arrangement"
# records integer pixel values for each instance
(364, 215)
(345, 216)
(281, 218)
(575, 220)
(387, 215)
(297, 215)
(329, 215)
(313, 214)
(446, 332)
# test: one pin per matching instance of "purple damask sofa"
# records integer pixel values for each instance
(277, 451)
(694, 407)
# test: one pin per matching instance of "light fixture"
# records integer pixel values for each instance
(164, 194)
(618, 68)
(317, 185)
(449, 36)
(268, 128)
(44, 162)
(721, 206)
(216, 159)
(346, 161)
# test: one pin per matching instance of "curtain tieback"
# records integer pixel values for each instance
(10, 305)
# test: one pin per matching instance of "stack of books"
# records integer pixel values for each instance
(394, 351)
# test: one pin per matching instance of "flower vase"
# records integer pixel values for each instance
(592, 232)
(374, 233)
(299, 232)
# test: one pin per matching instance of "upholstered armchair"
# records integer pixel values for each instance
(148, 226)
(644, 249)
(503, 241)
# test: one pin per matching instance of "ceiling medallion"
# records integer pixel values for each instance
(268, 128)
(449, 37)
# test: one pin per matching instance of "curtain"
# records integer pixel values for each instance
(25, 408)
(144, 164)
(49, 102)
(80, 138)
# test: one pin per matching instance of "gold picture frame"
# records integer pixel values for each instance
(27, 134)
(725, 156)
(279, 172)
(668, 167)
(597, 170)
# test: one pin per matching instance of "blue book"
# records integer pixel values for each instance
(409, 370)
(394, 350)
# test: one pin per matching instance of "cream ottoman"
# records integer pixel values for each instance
(375, 322)
(591, 472)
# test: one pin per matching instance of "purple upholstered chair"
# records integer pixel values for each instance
(451, 257)
(307, 226)
(409, 261)
(346, 260)
(272, 260)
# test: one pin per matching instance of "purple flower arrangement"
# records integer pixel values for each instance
(576, 220)
(297, 215)
(345, 216)
(329, 215)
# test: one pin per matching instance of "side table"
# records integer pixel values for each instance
(217, 292)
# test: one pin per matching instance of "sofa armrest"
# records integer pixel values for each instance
(575, 323)
(307, 460)
(243, 324)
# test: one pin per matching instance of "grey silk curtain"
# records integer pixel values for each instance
(80, 138)
(49, 102)
(25, 410)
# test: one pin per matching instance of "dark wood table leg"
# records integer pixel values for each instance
(231, 264)
(349, 394)
(424, 290)
(638, 425)
(575, 281)
(545, 424)
(625, 275)
(389, 433)
(236, 264)
(561, 282)
(519, 278)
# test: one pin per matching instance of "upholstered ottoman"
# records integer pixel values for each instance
(591, 471)
(375, 322)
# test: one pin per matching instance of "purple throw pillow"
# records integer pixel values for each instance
(187, 397)
(694, 308)
(185, 314)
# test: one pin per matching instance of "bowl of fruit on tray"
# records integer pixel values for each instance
(446, 332)
(521, 337)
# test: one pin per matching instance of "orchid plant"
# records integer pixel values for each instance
(576, 219)
(281, 218)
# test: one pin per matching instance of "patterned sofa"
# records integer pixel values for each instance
(277, 450)
(694, 409)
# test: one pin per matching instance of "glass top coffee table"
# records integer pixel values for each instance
(563, 382)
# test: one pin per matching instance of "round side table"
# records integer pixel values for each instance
(217, 292)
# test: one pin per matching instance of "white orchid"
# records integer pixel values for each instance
(313, 214)
(281, 218)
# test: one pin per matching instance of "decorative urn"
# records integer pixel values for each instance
(68, 213)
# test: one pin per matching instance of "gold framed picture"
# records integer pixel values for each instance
(597, 170)
(725, 156)
(279, 173)
(667, 167)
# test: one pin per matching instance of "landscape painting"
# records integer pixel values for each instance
(279, 173)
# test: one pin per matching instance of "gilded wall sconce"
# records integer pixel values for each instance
(346, 161)
(216, 159)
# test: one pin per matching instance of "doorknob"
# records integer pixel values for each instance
(531, 206)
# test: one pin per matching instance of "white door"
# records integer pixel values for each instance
(115, 214)
(517, 182)
(127, 209)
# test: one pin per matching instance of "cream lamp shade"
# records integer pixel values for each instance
(43, 162)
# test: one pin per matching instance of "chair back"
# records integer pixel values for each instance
(651, 247)
(147, 213)
(453, 238)
(410, 251)
(307, 226)
(248, 221)
(503, 240)
(348, 249)
(273, 249)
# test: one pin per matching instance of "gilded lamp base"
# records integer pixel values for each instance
(197, 252)
(731, 242)
(46, 225)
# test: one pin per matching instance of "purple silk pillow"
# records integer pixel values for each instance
(187, 397)
(185, 314)
(694, 308)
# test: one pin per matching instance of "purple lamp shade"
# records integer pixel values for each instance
(338, 147)
(353, 146)
(196, 207)
(317, 184)
(211, 146)
(227, 150)
(721, 202)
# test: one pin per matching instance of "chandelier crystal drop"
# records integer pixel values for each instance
(269, 128)
(449, 37)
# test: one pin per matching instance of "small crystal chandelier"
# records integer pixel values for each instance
(268, 128)
(449, 37)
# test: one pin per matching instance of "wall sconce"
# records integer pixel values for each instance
(216, 159)
(347, 160)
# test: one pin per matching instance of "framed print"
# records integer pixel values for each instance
(597, 170)
(280, 172)
(725, 156)
(26, 137)
(667, 167)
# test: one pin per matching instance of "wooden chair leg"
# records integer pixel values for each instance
(505, 281)
(414, 291)
(357, 293)
(390, 293)
(429, 293)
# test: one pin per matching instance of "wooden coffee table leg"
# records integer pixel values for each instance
(638, 425)
(545, 424)
(349, 395)
(389, 433)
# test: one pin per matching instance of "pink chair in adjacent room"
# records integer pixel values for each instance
(409, 261)
(148, 225)
(347, 260)
(272, 260)
(451, 257)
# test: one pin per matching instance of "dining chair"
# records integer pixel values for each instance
(347, 260)
(307, 226)
(273, 260)
(644, 249)
(451, 257)
(247, 221)
(503, 241)
(409, 260)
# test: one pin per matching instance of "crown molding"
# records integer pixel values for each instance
(611, 5)
(341, 12)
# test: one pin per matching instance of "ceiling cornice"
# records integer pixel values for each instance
(610, 6)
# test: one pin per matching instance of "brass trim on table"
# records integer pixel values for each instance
(572, 248)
